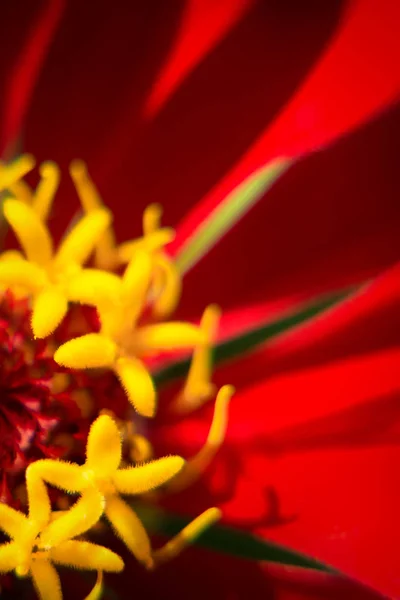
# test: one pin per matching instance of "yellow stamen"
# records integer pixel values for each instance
(85, 555)
(49, 309)
(46, 580)
(187, 536)
(45, 191)
(168, 336)
(138, 385)
(129, 528)
(101, 481)
(137, 480)
(152, 219)
(199, 387)
(97, 590)
(196, 466)
(167, 290)
(78, 244)
(135, 283)
(151, 243)
(105, 458)
(88, 194)
(95, 287)
(79, 518)
(23, 274)
(20, 190)
(89, 351)
(30, 230)
(15, 170)
(105, 253)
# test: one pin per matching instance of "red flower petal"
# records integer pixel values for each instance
(24, 73)
(366, 322)
(199, 574)
(203, 24)
(333, 219)
(356, 77)
(312, 448)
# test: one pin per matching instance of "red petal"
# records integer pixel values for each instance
(331, 220)
(311, 454)
(25, 72)
(356, 77)
(204, 23)
(199, 574)
(366, 322)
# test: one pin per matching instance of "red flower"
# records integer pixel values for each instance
(310, 458)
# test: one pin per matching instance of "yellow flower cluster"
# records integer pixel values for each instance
(150, 286)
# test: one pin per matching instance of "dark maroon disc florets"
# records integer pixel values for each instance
(32, 415)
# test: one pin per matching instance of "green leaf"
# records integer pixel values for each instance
(228, 212)
(227, 540)
(250, 339)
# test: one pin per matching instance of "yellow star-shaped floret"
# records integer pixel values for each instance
(29, 554)
(46, 274)
(101, 477)
(122, 342)
(166, 279)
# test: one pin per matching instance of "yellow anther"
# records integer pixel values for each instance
(199, 387)
(196, 466)
(105, 253)
(45, 191)
(152, 219)
(187, 536)
(12, 172)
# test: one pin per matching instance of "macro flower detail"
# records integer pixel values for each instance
(28, 556)
(45, 274)
(122, 342)
(101, 473)
(262, 168)
(166, 279)
(32, 414)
